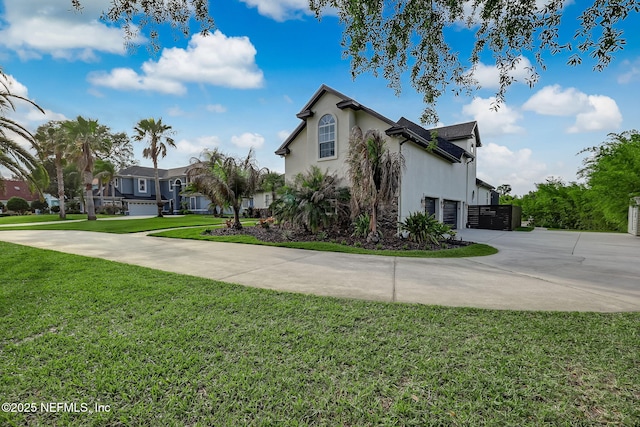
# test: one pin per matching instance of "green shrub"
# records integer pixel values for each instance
(39, 205)
(18, 204)
(425, 228)
(361, 225)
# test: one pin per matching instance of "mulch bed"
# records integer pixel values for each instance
(389, 240)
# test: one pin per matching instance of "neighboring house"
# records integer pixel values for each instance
(440, 175)
(486, 194)
(634, 217)
(15, 188)
(134, 189)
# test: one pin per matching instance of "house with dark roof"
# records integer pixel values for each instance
(440, 175)
(14, 188)
(133, 189)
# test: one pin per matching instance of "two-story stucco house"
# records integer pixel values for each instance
(440, 176)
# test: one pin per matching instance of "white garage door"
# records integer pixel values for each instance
(142, 208)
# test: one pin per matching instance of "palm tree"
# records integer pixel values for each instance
(105, 172)
(84, 134)
(227, 178)
(158, 135)
(374, 173)
(52, 141)
(272, 182)
(13, 156)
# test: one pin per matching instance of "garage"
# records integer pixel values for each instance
(450, 213)
(142, 207)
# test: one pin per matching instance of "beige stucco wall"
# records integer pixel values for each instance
(426, 175)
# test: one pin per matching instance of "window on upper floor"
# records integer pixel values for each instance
(326, 136)
(115, 183)
(142, 185)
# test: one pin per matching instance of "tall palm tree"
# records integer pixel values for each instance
(374, 173)
(52, 141)
(230, 179)
(13, 156)
(158, 137)
(105, 172)
(84, 134)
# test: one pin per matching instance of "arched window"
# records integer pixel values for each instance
(327, 136)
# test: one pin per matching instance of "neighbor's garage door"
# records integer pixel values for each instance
(137, 208)
(450, 213)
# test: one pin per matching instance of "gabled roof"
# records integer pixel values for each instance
(481, 183)
(403, 127)
(14, 188)
(460, 131)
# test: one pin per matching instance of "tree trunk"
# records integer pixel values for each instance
(236, 218)
(60, 178)
(88, 189)
(157, 180)
(373, 225)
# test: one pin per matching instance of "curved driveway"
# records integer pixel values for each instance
(541, 270)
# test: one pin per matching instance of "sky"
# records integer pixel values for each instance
(242, 86)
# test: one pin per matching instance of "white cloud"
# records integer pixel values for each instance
(248, 140)
(283, 134)
(603, 114)
(497, 164)
(488, 76)
(288, 100)
(197, 146)
(214, 59)
(592, 112)
(33, 28)
(280, 10)
(26, 114)
(493, 122)
(216, 108)
(632, 74)
(176, 111)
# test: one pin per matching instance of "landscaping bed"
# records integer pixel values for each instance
(388, 241)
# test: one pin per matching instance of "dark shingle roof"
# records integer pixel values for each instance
(143, 171)
(422, 137)
(459, 131)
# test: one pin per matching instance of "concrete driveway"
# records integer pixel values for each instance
(541, 270)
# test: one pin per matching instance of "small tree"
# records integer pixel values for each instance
(39, 205)
(18, 204)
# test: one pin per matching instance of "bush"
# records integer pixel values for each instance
(72, 207)
(1, 206)
(425, 228)
(108, 210)
(18, 204)
(361, 225)
(54, 209)
(42, 206)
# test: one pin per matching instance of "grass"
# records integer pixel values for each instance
(196, 234)
(30, 219)
(127, 225)
(167, 349)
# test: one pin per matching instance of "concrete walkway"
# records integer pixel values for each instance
(541, 270)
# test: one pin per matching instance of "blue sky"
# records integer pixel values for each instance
(243, 85)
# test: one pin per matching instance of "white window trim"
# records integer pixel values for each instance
(115, 183)
(192, 203)
(335, 139)
(140, 181)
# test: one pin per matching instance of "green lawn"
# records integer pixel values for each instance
(172, 350)
(196, 234)
(126, 225)
(29, 219)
